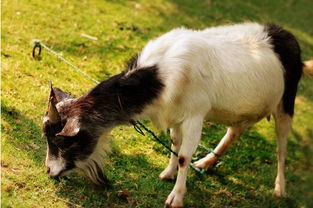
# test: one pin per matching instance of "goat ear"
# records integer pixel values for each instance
(71, 128)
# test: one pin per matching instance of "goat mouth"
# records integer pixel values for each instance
(62, 173)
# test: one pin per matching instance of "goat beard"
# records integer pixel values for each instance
(93, 170)
(93, 165)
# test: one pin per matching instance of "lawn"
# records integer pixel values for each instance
(244, 177)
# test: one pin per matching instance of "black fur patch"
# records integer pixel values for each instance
(181, 161)
(117, 99)
(287, 48)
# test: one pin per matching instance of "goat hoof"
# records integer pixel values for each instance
(174, 200)
(167, 175)
(169, 206)
(206, 162)
(279, 192)
(201, 165)
(280, 187)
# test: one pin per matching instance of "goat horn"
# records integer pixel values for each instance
(53, 113)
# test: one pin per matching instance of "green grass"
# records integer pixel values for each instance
(246, 175)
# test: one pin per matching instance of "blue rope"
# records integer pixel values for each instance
(138, 125)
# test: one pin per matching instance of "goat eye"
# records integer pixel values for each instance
(57, 140)
(62, 142)
(57, 137)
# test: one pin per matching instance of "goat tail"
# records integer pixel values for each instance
(308, 68)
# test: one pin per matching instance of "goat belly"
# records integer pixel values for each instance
(230, 118)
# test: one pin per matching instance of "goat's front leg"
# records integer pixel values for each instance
(170, 170)
(191, 132)
(211, 158)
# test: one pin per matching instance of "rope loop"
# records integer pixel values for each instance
(36, 44)
(137, 127)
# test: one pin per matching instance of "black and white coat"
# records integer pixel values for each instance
(233, 75)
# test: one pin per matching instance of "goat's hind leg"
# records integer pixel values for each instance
(211, 158)
(283, 122)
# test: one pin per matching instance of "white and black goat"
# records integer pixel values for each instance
(233, 75)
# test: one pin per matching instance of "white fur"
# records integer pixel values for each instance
(205, 72)
(227, 74)
(55, 165)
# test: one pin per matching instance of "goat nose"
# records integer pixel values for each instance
(48, 170)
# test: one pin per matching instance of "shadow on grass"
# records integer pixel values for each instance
(246, 174)
(24, 134)
(133, 183)
(214, 12)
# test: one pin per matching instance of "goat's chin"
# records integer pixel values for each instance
(65, 173)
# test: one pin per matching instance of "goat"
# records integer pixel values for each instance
(233, 75)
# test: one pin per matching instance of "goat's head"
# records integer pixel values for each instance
(71, 141)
